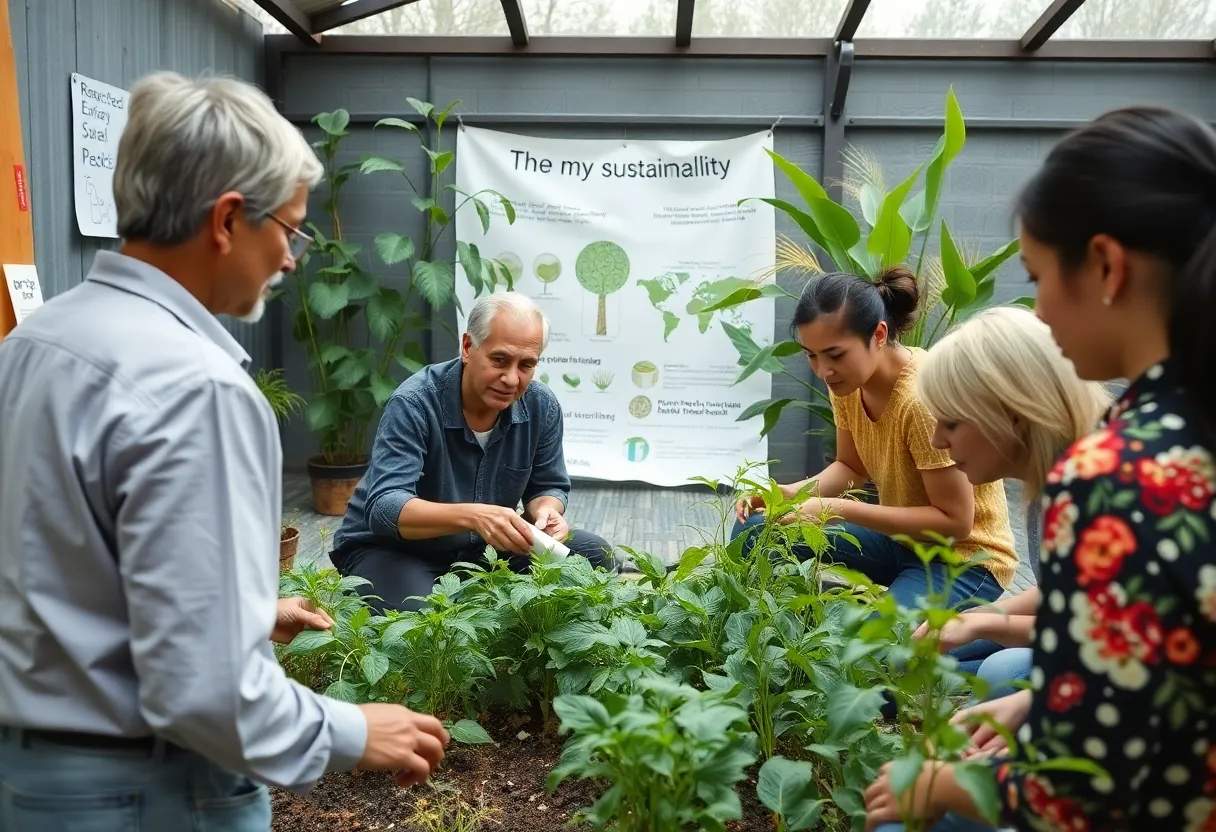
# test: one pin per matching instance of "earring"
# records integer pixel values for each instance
(1107, 301)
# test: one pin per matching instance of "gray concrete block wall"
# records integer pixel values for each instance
(114, 41)
(888, 99)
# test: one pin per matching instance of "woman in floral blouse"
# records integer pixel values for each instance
(1119, 233)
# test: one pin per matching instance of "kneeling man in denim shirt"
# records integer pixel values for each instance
(459, 446)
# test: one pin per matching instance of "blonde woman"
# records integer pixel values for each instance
(1007, 404)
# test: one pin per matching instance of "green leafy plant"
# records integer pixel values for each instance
(894, 229)
(672, 753)
(602, 268)
(284, 401)
(356, 327)
(602, 379)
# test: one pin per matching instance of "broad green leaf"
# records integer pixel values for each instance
(850, 708)
(350, 372)
(310, 640)
(421, 107)
(471, 264)
(948, 147)
(979, 781)
(802, 219)
(379, 164)
(741, 296)
(385, 313)
(805, 184)
(374, 665)
(905, 770)
(840, 230)
(361, 285)
(581, 636)
(343, 691)
(442, 116)
(382, 388)
(483, 214)
(1023, 301)
(468, 732)
(788, 788)
(393, 247)
(395, 631)
(331, 353)
(993, 261)
(960, 287)
(436, 281)
(324, 412)
(580, 713)
(508, 208)
(781, 349)
(870, 199)
(411, 356)
(333, 124)
(327, 299)
(397, 122)
(440, 161)
(747, 348)
(891, 238)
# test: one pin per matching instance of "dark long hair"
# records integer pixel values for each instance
(893, 298)
(1145, 176)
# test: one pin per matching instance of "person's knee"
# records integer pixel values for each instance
(593, 547)
(755, 521)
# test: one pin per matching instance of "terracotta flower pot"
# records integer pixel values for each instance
(333, 485)
(289, 541)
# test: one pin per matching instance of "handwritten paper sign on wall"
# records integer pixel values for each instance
(99, 114)
(23, 288)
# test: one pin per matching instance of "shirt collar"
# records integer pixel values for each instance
(129, 274)
(453, 405)
(1162, 376)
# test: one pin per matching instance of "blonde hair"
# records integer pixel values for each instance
(1004, 363)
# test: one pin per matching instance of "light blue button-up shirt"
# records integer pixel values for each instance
(140, 497)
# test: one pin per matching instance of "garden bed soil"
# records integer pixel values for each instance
(508, 777)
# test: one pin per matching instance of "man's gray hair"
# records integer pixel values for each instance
(487, 308)
(187, 142)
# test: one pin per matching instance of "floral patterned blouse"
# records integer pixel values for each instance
(1125, 641)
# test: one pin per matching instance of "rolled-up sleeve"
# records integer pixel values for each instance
(196, 531)
(549, 477)
(397, 461)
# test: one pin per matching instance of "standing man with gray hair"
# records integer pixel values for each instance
(460, 445)
(140, 485)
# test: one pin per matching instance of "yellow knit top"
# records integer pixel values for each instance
(896, 447)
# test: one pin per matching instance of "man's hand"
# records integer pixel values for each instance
(957, 632)
(295, 615)
(399, 740)
(883, 806)
(550, 521)
(502, 528)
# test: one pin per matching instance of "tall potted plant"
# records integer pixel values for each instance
(895, 228)
(358, 330)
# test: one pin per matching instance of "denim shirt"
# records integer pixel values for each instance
(424, 449)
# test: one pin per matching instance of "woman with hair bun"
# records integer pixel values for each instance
(849, 328)
(1118, 233)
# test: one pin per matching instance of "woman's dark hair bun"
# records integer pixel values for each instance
(900, 294)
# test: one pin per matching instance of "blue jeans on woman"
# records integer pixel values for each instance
(891, 564)
(950, 823)
(1003, 668)
(46, 785)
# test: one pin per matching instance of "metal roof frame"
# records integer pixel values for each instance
(307, 33)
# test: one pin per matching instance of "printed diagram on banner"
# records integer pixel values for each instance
(623, 246)
(99, 115)
(23, 288)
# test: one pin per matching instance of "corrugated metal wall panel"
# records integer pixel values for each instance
(115, 41)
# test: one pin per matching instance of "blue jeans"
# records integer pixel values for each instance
(950, 823)
(46, 786)
(892, 565)
(971, 656)
(1001, 669)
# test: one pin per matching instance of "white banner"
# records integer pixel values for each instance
(99, 115)
(622, 243)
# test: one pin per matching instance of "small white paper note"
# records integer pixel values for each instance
(99, 115)
(23, 288)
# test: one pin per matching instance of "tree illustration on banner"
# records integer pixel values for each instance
(602, 268)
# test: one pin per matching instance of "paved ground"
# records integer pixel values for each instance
(661, 521)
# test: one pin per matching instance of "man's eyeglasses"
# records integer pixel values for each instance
(297, 240)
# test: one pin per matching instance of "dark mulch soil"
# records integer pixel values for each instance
(506, 779)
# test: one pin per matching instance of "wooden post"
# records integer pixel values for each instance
(16, 221)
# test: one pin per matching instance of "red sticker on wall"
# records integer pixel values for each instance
(23, 201)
